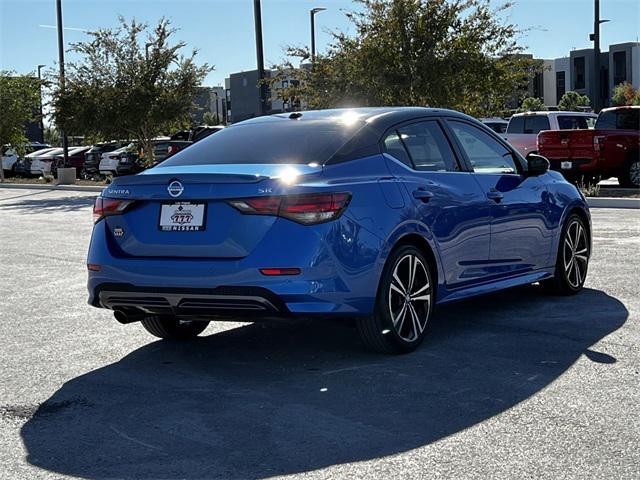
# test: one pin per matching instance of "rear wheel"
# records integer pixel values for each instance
(404, 304)
(573, 259)
(630, 175)
(170, 328)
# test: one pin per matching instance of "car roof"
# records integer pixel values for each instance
(44, 151)
(379, 117)
(555, 112)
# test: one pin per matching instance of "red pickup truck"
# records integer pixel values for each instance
(610, 149)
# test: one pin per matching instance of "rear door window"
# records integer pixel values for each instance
(516, 125)
(534, 124)
(428, 148)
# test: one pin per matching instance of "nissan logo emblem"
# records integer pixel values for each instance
(175, 189)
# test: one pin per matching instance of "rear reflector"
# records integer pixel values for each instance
(108, 206)
(308, 209)
(280, 271)
(94, 267)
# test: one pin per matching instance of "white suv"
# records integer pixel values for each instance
(523, 128)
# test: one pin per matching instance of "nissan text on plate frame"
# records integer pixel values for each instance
(373, 214)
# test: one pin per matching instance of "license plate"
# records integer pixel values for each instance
(566, 165)
(182, 217)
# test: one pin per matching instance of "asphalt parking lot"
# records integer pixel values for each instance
(516, 385)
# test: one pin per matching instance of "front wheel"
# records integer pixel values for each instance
(573, 259)
(403, 306)
(170, 328)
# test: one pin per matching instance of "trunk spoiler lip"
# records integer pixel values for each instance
(223, 173)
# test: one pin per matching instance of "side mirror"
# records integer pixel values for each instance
(537, 165)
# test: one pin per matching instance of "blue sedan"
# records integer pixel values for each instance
(378, 214)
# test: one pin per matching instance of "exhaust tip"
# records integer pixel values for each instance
(121, 316)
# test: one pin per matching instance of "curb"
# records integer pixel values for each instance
(66, 188)
(610, 202)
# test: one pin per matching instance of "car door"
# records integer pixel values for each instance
(446, 199)
(521, 236)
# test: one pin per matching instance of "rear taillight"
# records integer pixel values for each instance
(171, 150)
(108, 206)
(598, 143)
(307, 209)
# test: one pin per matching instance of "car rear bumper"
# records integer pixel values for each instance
(331, 281)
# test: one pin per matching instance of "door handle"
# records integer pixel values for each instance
(495, 195)
(422, 194)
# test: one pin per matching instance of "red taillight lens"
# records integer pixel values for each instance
(307, 209)
(108, 206)
(598, 143)
(171, 150)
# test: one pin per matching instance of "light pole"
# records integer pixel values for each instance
(41, 114)
(595, 37)
(65, 146)
(312, 14)
(257, 16)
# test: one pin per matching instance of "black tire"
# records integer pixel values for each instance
(629, 176)
(378, 332)
(572, 262)
(169, 328)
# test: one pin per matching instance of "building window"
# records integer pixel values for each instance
(538, 85)
(619, 67)
(560, 86)
(578, 73)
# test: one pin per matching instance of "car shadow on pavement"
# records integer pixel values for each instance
(44, 205)
(265, 400)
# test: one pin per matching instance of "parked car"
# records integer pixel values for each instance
(10, 157)
(611, 149)
(498, 125)
(178, 141)
(76, 156)
(358, 213)
(109, 160)
(132, 162)
(93, 156)
(523, 128)
(41, 161)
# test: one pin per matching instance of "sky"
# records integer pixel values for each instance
(223, 30)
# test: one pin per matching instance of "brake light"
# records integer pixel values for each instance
(598, 142)
(171, 150)
(307, 209)
(104, 207)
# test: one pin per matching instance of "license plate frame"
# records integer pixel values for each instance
(168, 210)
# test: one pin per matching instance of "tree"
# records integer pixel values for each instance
(441, 53)
(572, 101)
(19, 97)
(532, 104)
(210, 118)
(625, 94)
(131, 83)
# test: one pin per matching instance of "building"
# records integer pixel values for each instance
(212, 100)
(575, 72)
(243, 96)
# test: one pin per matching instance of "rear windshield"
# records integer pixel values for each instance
(575, 122)
(528, 124)
(271, 142)
(625, 119)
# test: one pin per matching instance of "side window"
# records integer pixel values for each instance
(516, 125)
(536, 123)
(428, 147)
(393, 146)
(485, 153)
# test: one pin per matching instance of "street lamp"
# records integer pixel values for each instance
(41, 114)
(595, 37)
(65, 146)
(312, 13)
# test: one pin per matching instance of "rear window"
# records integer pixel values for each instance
(574, 122)
(625, 119)
(529, 124)
(271, 141)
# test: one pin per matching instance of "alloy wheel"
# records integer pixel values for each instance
(575, 254)
(409, 297)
